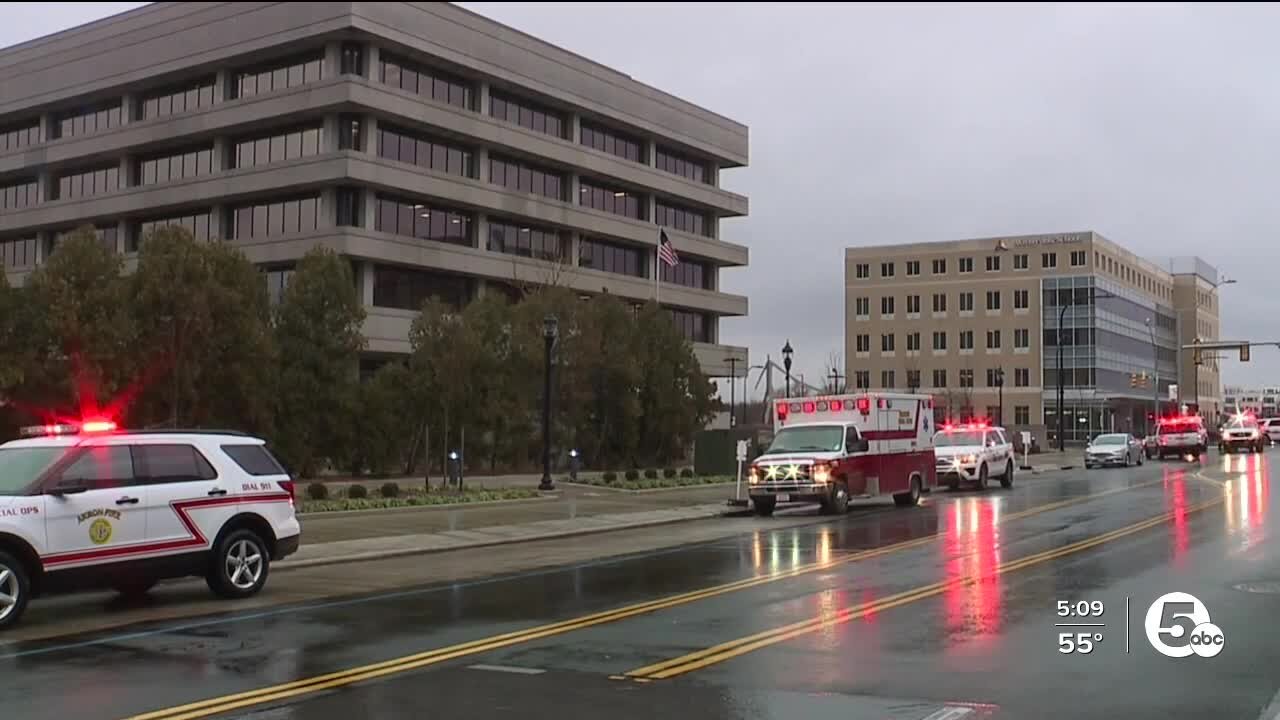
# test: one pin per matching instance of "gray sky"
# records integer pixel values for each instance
(1155, 125)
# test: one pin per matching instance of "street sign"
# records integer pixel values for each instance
(742, 451)
(1173, 392)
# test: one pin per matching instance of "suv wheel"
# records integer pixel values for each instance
(764, 506)
(15, 590)
(240, 565)
(837, 502)
(982, 477)
(911, 497)
(1006, 480)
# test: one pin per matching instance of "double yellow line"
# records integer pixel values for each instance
(734, 648)
(329, 681)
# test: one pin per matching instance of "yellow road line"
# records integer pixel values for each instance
(226, 703)
(734, 648)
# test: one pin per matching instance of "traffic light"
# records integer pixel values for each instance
(1244, 353)
(1133, 380)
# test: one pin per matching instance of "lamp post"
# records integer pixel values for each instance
(786, 364)
(733, 400)
(1000, 389)
(550, 331)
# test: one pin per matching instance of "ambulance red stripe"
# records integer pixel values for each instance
(197, 539)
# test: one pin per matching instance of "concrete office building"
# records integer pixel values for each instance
(445, 154)
(957, 319)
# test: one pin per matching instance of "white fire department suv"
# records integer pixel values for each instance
(829, 449)
(87, 506)
(974, 452)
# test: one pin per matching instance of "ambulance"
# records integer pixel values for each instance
(834, 448)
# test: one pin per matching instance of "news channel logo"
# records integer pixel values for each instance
(1178, 626)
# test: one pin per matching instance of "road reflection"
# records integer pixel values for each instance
(971, 546)
(1248, 489)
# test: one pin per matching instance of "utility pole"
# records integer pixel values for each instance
(836, 378)
(733, 374)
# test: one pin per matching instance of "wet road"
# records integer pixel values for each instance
(941, 611)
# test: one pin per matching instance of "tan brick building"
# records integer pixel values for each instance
(968, 319)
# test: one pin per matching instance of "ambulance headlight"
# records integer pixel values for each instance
(753, 475)
(821, 473)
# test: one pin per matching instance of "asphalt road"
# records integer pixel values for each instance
(944, 611)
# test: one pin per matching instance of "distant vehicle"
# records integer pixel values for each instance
(1271, 430)
(830, 449)
(1242, 432)
(973, 452)
(1120, 449)
(1151, 445)
(85, 505)
(1182, 435)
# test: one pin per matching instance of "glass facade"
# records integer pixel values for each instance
(693, 325)
(14, 137)
(523, 177)
(611, 257)
(677, 163)
(614, 142)
(86, 183)
(428, 82)
(279, 217)
(681, 218)
(190, 163)
(88, 121)
(278, 76)
(407, 289)
(525, 240)
(19, 195)
(177, 100)
(417, 149)
(196, 223)
(527, 114)
(278, 146)
(416, 218)
(613, 200)
(689, 273)
(19, 253)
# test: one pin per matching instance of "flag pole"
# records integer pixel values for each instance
(657, 270)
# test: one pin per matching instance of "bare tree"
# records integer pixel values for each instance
(836, 380)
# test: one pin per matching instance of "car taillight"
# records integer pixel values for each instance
(287, 486)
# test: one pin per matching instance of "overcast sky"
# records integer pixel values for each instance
(1157, 126)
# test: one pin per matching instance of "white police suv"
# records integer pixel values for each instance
(86, 505)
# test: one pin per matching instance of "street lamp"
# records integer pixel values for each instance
(550, 331)
(733, 400)
(1000, 388)
(1094, 294)
(786, 364)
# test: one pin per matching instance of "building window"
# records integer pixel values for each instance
(177, 100)
(196, 223)
(415, 218)
(18, 254)
(694, 326)
(1021, 415)
(409, 289)
(1020, 261)
(278, 146)
(993, 263)
(613, 200)
(1049, 260)
(940, 266)
(939, 302)
(863, 306)
(278, 217)
(1078, 258)
(525, 240)
(193, 162)
(19, 195)
(350, 133)
(98, 118)
(277, 279)
(993, 380)
(610, 257)
(940, 340)
(277, 76)
(913, 303)
(913, 379)
(430, 83)
(1021, 299)
(352, 60)
(864, 343)
(887, 380)
(993, 339)
(886, 270)
(886, 343)
(886, 305)
(913, 341)
(689, 273)
(993, 299)
(862, 379)
(681, 218)
(86, 183)
(966, 339)
(671, 161)
(966, 265)
(15, 137)
(913, 268)
(527, 114)
(612, 141)
(350, 210)
(939, 378)
(105, 234)
(1022, 377)
(966, 378)
(966, 302)
(1022, 338)
(862, 271)
(523, 177)
(430, 153)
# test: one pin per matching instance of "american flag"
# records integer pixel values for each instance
(667, 252)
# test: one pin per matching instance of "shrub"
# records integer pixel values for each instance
(318, 491)
(668, 472)
(357, 492)
(633, 474)
(651, 474)
(686, 473)
(390, 490)
(609, 476)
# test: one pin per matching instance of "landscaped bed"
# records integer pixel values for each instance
(385, 498)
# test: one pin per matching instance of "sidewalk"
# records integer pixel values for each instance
(1053, 460)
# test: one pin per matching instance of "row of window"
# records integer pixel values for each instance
(87, 121)
(408, 288)
(614, 142)
(1049, 260)
(194, 162)
(694, 326)
(19, 253)
(995, 378)
(610, 257)
(197, 223)
(688, 273)
(413, 218)
(279, 146)
(691, 221)
(279, 217)
(888, 343)
(421, 80)
(88, 182)
(526, 114)
(24, 193)
(613, 200)
(417, 149)
(888, 303)
(676, 163)
(279, 75)
(525, 240)
(523, 177)
(105, 234)
(175, 101)
(20, 136)
(1111, 266)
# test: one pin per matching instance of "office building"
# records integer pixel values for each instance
(445, 154)
(1262, 402)
(969, 320)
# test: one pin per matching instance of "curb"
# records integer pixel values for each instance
(649, 490)
(285, 565)
(419, 508)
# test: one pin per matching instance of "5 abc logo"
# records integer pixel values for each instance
(1178, 625)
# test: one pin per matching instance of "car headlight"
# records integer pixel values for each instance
(753, 475)
(969, 459)
(821, 473)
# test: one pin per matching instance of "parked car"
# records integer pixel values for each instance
(1120, 449)
(1271, 430)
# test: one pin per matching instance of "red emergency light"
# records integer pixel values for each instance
(85, 427)
(782, 411)
(864, 405)
(809, 407)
